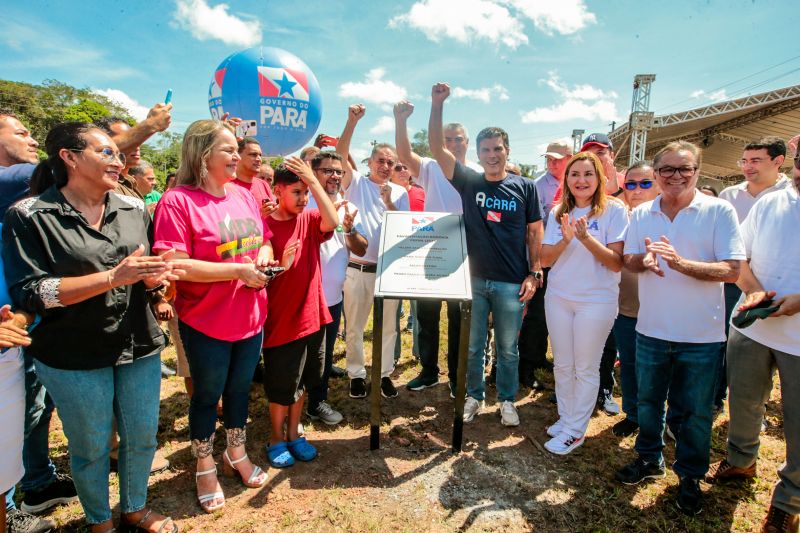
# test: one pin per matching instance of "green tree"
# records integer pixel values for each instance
(164, 153)
(419, 144)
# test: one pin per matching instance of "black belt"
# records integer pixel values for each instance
(362, 267)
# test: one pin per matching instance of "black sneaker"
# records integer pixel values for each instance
(59, 492)
(387, 388)
(20, 522)
(625, 428)
(690, 497)
(422, 382)
(638, 471)
(358, 388)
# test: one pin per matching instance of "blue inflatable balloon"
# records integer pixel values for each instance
(274, 93)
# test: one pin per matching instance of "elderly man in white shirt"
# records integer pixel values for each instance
(685, 245)
(372, 195)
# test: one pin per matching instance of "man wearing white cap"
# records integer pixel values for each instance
(533, 333)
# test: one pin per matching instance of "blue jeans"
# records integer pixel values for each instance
(625, 335)
(39, 469)
(501, 299)
(320, 393)
(693, 370)
(219, 368)
(87, 401)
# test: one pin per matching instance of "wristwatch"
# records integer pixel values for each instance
(536, 274)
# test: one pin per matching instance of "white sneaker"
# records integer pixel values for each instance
(471, 408)
(326, 414)
(608, 404)
(563, 444)
(556, 429)
(508, 414)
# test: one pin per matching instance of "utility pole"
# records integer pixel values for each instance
(577, 135)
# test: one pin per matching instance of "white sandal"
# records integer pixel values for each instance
(229, 470)
(206, 498)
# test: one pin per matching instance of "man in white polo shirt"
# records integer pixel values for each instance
(371, 195)
(685, 245)
(440, 196)
(756, 350)
(761, 164)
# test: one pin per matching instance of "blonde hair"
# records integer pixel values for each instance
(198, 141)
(567, 203)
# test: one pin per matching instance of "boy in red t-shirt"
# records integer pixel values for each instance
(293, 329)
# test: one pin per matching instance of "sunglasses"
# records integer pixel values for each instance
(400, 168)
(644, 184)
(106, 154)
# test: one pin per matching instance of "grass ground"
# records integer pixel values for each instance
(504, 480)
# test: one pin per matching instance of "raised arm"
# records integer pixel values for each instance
(354, 114)
(403, 110)
(330, 219)
(158, 120)
(443, 156)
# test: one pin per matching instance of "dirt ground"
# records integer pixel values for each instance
(503, 480)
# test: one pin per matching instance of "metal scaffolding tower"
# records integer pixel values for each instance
(641, 118)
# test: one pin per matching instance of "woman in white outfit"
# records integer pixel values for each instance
(583, 246)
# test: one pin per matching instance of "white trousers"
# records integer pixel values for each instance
(578, 332)
(359, 289)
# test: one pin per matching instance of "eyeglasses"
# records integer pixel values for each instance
(106, 154)
(755, 161)
(328, 172)
(400, 168)
(632, 185)
(668, 172)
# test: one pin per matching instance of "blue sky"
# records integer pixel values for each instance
(537, 68)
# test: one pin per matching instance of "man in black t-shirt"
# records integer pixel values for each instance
(503, 220)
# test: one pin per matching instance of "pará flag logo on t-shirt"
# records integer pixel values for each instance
(494, 216)
(278, 82)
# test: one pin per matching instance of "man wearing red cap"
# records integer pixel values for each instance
(600, 145)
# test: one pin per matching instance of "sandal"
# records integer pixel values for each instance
(301, 449)
(204, 499)
(229, 469)
(279, 456)
(137, 527)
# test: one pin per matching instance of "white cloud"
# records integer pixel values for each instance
(714, 96)
(374, 89)
(579, 102)
(464, 21)
(484, 94)
(556, 16)
(385, 124)
(205, 22)
(496, 21)
(136, 110)
(360, 153)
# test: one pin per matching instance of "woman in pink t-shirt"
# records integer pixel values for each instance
(221, 302)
